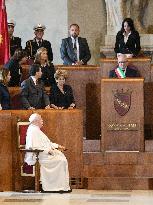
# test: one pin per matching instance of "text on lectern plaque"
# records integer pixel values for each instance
(122, 126)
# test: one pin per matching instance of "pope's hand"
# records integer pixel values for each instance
(51, 152)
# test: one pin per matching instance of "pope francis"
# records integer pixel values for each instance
(54, 174)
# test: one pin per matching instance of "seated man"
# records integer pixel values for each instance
(33, 94)
(33, 45)
(15, 42)
(54, 167)
(75, 50)
(123, 70)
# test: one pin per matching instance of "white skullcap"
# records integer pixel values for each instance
(33, 117)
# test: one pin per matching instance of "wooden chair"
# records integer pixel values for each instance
(27, 170)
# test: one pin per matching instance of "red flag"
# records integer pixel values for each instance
(4, 40)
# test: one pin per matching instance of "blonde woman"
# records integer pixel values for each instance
(47, 68)
(61, 95)
(4, 93)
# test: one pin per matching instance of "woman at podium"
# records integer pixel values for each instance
(127, 39)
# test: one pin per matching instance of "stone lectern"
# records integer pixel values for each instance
(122, 113)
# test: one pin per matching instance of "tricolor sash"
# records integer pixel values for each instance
(119, 72)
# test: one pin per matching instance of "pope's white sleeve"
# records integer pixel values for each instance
(29, 143)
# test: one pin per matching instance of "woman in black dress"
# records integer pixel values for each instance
(127, 39)
(14, 65)
(4, 93)
(61, 95)
(47, 68)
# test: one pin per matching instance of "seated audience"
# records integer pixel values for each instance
(33, 45)
(54, 167)
(14, 65)
(74, 49)
(33, 94)
(61, 95)
(127, 39)
(123, 70)
(4, 93)
(47, 68)
(15, 42)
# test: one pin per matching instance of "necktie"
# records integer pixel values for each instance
(74, 47)
(75, 50)
(39, 43)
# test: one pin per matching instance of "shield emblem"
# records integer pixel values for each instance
(122, 102)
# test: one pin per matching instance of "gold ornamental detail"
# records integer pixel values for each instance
(1, 39)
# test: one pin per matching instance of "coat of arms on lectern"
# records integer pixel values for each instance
(122, 101)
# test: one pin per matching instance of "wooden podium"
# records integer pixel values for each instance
(122, 113)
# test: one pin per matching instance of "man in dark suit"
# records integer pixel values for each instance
(123, 70)
(33, 45)
(32, 91)
(75, 50)
(15, 42)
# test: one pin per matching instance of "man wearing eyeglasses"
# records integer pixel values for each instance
(123, 70)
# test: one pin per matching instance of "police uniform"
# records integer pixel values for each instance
(15, 42)
(32, 45)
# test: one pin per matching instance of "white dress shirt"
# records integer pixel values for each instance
(126, 37)
(34, 80)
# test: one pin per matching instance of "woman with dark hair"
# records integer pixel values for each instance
(4, 93)
(127, 39)
(47, 68)
(14, 65)
(61, 95)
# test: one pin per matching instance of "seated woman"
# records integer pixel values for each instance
(61, 95)
(127, 39)
(4, 93)
(47, 68)
(14, 65)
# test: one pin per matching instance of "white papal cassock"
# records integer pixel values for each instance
(54, 173)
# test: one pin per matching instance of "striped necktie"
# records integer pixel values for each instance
(75, 47)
